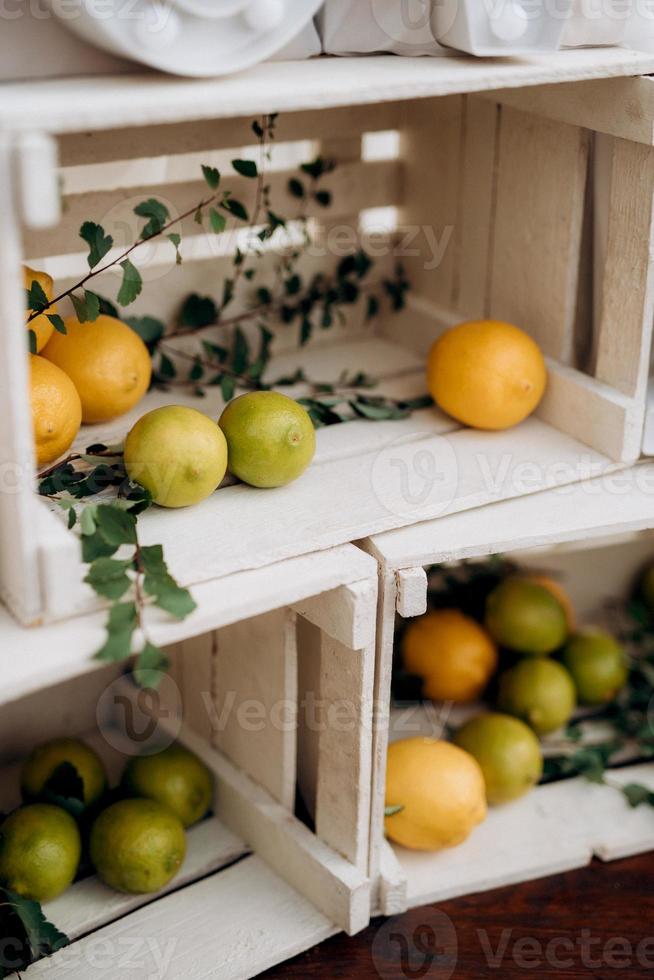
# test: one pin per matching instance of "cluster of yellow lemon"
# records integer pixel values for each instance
(136, 844)
(92, 373)
(438, 791)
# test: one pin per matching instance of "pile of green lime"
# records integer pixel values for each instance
(136, 843)
(548, 668)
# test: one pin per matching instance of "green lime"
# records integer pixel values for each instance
(270, 438)
(176, 778)
(507, 751)
(526, 617)
(178, 454)
(540, 691)
(53, 771)
(40, 849)
(137, 846)
(597, 664)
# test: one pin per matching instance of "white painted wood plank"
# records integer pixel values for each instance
(343, 783)
(517, 842)
(538, 219)
(329, 881)
(353, 186)
(287, 86)
(254, 700)
(309, 642)
(627, 306)
(89, 904)
(616, 503)
(411, 592)
(233, 925)
(218, 134)
(621, 107)
(53, 653)
(347, 614)
(392, 883)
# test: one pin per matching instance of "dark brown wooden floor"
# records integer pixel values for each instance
(597, 922)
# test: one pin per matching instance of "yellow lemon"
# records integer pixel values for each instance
(40, 324)
(450, 651)
(174, 777)
(56, 410)
(440, 789)
(108, 363)
(137, 846)
(487, 374)
(178, 454)
(40, 849)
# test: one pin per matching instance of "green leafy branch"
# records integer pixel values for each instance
(25, 934)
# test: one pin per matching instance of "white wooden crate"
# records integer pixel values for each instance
(236, 697)
(595, 536)
(516, 248)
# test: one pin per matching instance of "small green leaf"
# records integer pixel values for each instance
(211, 176)
(92, 303)
(323, 198)
(98, 242)
(121, 624)
(166, 368)
(36, 298)
(390, 811)
(157, 214)
(108, 577)
(197, 370)
(159, 583)
(107, 308)
(39, 937)
(87, 520)
(246, 168)
(131, 285)
(227, 387)
(115, 524)
(306, 329)
(372, 308)
(296, 188)
(79, 305)
(57, 322)
(31, 341)
(176, 240)
(218, 221)
(198, 311)
(241, 354)
(149, 329)
(637, 794)
(65, 783)
(235, 208)
(150, 665)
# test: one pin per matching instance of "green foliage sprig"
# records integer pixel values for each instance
(26, 934)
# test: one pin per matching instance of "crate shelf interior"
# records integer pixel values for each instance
(268, 876)
(494, 191)
(593, 537)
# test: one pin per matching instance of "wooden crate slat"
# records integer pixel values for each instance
(329, 881)
(538, 222)
(234, 924)
(621, 107)
(149, 99)
(354, 186)
(592, 412)
(347, 613)
(627, 305)
(218, 134)
(477, 207)
(342, 809)
(432, 141)
(254, 696)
